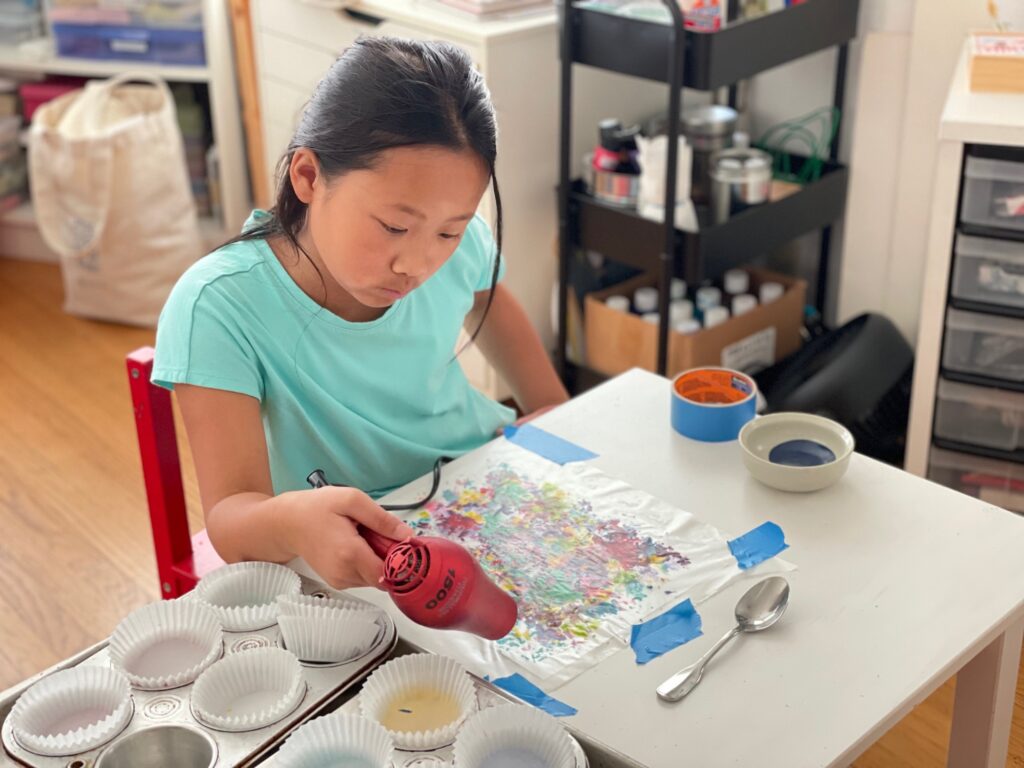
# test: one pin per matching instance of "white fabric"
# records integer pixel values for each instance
(112, 197)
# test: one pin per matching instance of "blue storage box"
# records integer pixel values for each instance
(127, 43)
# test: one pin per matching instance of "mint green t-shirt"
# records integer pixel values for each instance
(372, 404)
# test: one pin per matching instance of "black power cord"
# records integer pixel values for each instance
(318, 479)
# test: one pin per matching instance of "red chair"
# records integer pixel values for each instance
(181, 560)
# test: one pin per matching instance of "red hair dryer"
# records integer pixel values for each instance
(436, 582)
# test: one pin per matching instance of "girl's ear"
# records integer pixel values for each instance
(303, 171)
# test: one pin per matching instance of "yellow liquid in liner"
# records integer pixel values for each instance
(420, 709)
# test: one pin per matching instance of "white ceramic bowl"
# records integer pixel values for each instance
(761, 436)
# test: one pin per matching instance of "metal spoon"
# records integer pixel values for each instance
(762, 606)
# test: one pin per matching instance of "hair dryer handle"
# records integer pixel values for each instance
(380, 545)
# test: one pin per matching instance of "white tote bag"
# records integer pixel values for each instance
(112, 197)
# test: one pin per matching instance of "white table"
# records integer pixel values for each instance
(901, 583)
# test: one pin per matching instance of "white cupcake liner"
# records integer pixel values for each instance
(338, 636)
(72, 711)
(244, 595)
(248, 690)
(307, 605)
(513, 734)
(166, 644)
(337, 739)
(412, 675)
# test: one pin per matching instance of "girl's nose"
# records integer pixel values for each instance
(414, 262)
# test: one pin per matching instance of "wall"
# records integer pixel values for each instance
(899, 70)
(937, 38)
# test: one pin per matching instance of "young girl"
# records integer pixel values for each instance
(325, 336)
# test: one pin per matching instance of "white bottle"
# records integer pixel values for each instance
(686, 327)
(771, 292)
(645, 300)
(707, 297)
(678, 289)
(651, 317)
(742, 304)
(680, 310)
(736, 281)
(715, 316)
(618, 303)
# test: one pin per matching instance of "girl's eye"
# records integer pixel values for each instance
(447, 236)
(393, 230)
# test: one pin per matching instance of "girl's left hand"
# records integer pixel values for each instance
(527, 418)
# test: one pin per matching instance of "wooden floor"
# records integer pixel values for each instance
(75, 552)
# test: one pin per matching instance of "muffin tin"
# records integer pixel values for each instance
(487, 696)
(164, 724)
(421, 699)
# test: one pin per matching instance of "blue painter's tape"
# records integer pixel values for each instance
(719, 402)
(765, 541)
(519, 686)
(545, 444)
(661, 634)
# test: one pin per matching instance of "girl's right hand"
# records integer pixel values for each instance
(324, 534)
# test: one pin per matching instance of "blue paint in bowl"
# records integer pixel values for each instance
(801, 453)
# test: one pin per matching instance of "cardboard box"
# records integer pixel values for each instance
(617, 341)
(997, 62)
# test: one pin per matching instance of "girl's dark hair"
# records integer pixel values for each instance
(383, 93)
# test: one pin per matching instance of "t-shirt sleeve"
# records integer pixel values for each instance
(485, 250)
(200, 342)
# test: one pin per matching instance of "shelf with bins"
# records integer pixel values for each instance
(992, 431)
(21, 60)
(987, 309)
(216, 77)
(705, 61)
(976, 285)
(987, 264)
(979, 415)
(979, 397)
(1015, 457)
(998, 233)
(981, 381)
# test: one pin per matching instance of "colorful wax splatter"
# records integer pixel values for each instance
(569, 567)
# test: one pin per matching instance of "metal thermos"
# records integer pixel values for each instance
(740, 178)
(707, 129)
